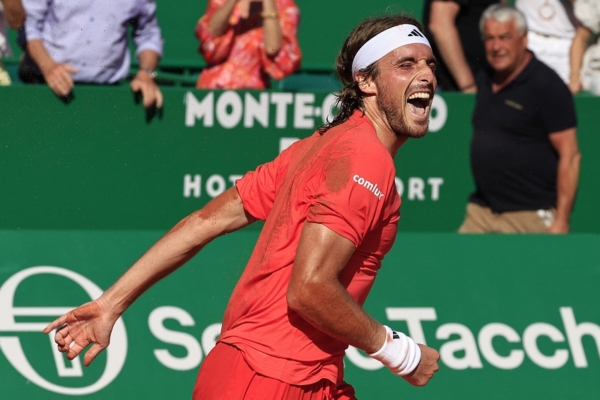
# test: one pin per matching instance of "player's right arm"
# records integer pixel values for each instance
(94, 321)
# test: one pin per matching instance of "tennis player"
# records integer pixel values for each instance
(331, 211)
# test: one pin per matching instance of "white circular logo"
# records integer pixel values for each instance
(440, 109)
(11, 345)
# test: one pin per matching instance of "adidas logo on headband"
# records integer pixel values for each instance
(415, 33)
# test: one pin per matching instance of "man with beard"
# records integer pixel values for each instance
(331, 211)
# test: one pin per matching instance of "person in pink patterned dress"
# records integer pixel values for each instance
(247, 42)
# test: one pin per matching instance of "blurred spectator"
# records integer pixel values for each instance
(247, 42)
(551, 28)
(524, 151)
(12, 15)
(86, 41)
(4, 48)
(452, 29)
(585, 60)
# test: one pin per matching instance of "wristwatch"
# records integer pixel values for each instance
(151, 72)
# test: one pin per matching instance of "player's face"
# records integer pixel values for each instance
(504, 46)
(405, 87)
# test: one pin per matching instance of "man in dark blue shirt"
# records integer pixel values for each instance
(524, 152)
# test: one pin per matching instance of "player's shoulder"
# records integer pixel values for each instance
(364, 155)
(369, 149)
(358, 136)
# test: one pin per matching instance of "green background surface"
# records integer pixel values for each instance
(96, 163)
(89, 185)
(469, 280)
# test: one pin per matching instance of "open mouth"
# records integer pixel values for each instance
(418, 104)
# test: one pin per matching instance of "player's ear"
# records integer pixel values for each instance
(365, 83)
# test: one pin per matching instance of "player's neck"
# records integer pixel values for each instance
(385, 133)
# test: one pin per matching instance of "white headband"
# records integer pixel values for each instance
(384, 42)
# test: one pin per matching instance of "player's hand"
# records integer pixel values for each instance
(90, 323)
(58, 77)
(426, 368)
(151, 95)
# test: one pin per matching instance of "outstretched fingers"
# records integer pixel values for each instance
(64, 343)
(76, 349)
(85, 325)
(58, 322)
(68, 344)
(91, 354)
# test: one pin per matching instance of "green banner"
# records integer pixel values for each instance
(96, 162)
(514, 317)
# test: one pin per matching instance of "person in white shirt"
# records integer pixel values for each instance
(551, 31)
(585, 56)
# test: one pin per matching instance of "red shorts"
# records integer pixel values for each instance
(224, 374)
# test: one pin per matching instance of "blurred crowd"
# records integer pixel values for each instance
(524, 60)
(561, 33)
(247, 44)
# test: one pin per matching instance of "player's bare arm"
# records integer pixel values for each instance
(93, 322)
(316, 293)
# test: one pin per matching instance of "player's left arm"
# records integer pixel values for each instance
(342, 212)
(316, 293)
(565, 144)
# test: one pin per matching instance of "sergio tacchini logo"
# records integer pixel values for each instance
(10, 343)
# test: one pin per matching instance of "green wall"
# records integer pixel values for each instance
(97, 163)
(90, 184)
(514, 317)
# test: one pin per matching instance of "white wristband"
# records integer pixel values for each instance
(399, 353)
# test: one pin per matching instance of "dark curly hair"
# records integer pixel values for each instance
(350, 97)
